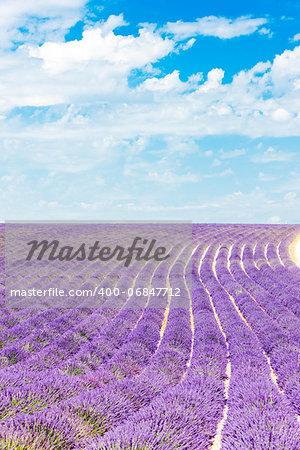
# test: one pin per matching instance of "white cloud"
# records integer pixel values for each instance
(290, 196)
(187, 45)
(296, 38)
(163, 208)
(254, 207)
(216, 162)
(220, 27)
(266, 177)
(272, 155)
(291, 183)
(232, 154)
(274, 219)
(165, 84)
(38, 18)
(100, 44)
(214, 80)
(285, 70)
(163, 172)
(224, 173)
(179, 146)
(95, 68)
(109, 120)
(281, 115)
(172, 178)
(92, 74)
(266, 32)
(170, 82)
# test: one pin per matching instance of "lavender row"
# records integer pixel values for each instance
(274, 283)
(258, 417)
(187, 415)
(131, 395)
(102, 372)
(285, 316)
(271, 336)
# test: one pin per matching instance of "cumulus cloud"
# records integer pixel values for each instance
(285, 70)
(220, 27)
(100, 44)
(262, 101)
(94, 70)
(69, 109)
(281, 115)
(35, 20)
(170, 82)
(214, 80)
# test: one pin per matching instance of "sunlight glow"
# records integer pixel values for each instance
(295, 251)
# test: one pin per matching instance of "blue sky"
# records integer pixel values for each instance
(150, 110)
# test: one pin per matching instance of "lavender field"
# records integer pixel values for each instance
(217, 367)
